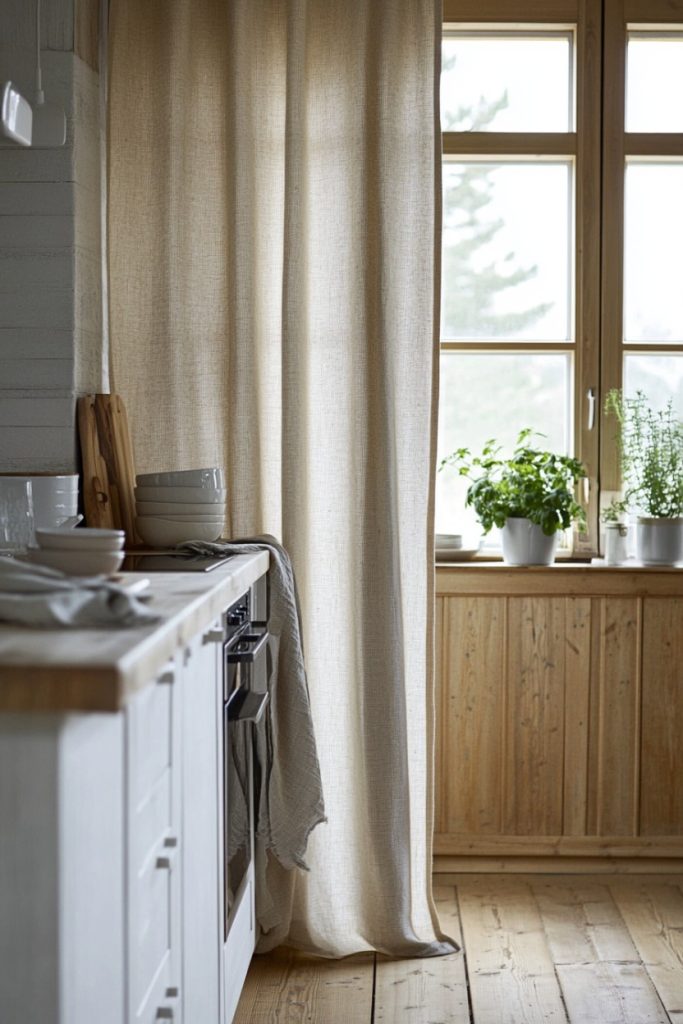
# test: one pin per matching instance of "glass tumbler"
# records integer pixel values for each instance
(16, 515)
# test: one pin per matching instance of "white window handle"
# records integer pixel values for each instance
(590, 398)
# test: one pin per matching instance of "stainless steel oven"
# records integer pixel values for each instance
(245, 697)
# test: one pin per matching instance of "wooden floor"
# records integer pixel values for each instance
(585, 949)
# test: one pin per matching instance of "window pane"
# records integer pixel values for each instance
(653, 311)
(507, 83)
(506, 251)
(660, 377)
(496, 395)
(654, 83)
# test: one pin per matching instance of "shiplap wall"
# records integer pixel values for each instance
(50, 248)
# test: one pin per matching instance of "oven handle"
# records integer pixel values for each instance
(256, 641)
(247, 706)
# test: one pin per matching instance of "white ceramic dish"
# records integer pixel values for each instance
(82, 539)
(78, 563)
(196, 495)
(181, 508)
(170, 518)
(212, 477)
(455, 554)
(160, 533)
(448, 540)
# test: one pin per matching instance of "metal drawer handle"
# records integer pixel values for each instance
(165, 861)
(255, 641)
(247, 706)
(164, 1013)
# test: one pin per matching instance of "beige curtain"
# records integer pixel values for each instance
(273, 223)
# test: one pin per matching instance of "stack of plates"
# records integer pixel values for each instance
(80, 552)
(184, 505)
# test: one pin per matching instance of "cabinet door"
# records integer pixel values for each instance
(202, 926)
(154, 879)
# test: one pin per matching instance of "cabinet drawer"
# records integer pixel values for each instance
(151, 821)
(150, 737)
(153, 897)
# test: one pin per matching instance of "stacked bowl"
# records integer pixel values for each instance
(82, 552)
(179, 506)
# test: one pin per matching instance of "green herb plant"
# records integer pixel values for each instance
(533, 484)
(651, 454)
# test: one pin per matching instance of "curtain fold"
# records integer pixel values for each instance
(274, 199)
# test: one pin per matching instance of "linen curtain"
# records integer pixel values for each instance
(274, 204)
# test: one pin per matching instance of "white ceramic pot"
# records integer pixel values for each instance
(525, 543)
(616, 543)
(659, 541)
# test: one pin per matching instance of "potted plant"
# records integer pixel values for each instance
(530, 496)
(651, 453)
(613, 518)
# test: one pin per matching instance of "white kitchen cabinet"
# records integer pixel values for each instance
(111, 820)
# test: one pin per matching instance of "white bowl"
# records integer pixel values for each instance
(169, 517)
(78, 563)
(82, 539)
(211, 477)
(160, 533)
(448, 540)
(182, 508)
(197, 495)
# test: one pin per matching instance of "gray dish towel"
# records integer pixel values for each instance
(289, 796)
(33, 595)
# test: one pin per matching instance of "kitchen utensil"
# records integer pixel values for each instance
(159, 533)
(108, 469)
(16, 514)
(197, 495)
(85, 539)
(209, 477)
(77, 563)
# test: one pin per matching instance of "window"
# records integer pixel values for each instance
(562, 226)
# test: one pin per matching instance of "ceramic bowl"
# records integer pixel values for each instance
(181, 508)
(160, 533)
(78, 563)
(448, 540)
(169, 517)
(211, 477)
(196, 495)
(82, 539)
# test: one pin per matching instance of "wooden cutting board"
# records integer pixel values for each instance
(108, 467)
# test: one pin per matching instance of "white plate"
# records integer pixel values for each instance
(456, 554)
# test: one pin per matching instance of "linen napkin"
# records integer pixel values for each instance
(33, 595)
(289, 797)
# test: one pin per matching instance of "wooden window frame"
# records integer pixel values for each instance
(583, 146)
(618, 146)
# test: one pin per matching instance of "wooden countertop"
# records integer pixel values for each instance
(57, 670)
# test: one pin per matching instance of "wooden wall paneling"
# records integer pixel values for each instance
(534, 748)
(474, 713)
(576, 714)
(594, 719)
(619, 717)
(661, 783)
(441, 738)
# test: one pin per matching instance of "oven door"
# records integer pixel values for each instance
(243, 708)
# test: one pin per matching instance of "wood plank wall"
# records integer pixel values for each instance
(50, 253)
(559, 724)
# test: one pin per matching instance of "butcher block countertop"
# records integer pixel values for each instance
(58, 670)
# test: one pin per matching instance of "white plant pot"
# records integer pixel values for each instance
(616, 543)
(659, 541)
(525, 543)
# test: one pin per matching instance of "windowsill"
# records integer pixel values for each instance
(562, 562)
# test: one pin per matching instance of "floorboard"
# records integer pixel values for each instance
(537, 949)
